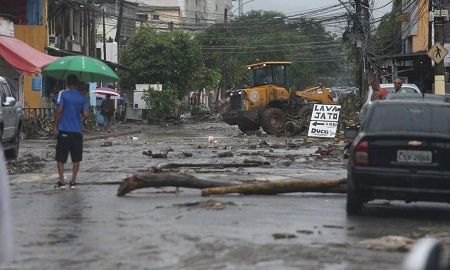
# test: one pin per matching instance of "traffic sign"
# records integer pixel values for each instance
(324, 121)
(437, 53)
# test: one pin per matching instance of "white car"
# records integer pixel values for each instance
(389, 87)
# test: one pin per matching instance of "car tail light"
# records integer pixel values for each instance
(361, 153)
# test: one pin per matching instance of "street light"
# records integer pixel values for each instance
(240, 7)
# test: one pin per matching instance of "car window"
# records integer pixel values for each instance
(406, 89)
(8, 91)
(2, 93)
(410, 117)
(13, 87)
(409, 89)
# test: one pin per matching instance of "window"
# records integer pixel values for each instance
(142, 17)
(280, 74)
(98, 53)
(413, 117)
(155, 17)
(111, 9)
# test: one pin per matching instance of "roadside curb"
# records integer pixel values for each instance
(131, 129)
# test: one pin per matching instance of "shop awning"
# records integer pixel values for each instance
(22, 56)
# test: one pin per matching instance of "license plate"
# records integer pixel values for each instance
(414, 156)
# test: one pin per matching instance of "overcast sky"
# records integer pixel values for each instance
(291, 7)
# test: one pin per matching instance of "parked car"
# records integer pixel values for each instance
(370, 95)
(11, 115)
(401, 151)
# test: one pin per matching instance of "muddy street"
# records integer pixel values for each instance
(165, 228)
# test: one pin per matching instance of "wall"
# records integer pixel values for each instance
(420, 41)
(36, 37)
(111, 51)
(415, 30)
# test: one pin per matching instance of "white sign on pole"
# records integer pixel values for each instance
(324, 121)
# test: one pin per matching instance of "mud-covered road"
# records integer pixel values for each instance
(92, 228)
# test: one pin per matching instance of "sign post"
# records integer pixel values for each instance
(324, 121)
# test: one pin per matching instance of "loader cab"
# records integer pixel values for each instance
(265, 73)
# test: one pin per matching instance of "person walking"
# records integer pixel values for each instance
(123, 108)
(107, 111)
(55, 100)
(68, 130)
(379, 92)
(398, 86)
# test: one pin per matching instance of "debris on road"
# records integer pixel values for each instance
(27, 163)
(157, 155)
(147, 153)
(389, 242)
(215, 165)
(106, 144)
(208, 204)
(283, 235)
(225, 154)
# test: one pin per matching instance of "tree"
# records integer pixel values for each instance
(205, 78)
(161, 103)
(388, 37)
(161, 57)
(270, 35)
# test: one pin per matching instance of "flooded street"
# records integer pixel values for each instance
(158, 228)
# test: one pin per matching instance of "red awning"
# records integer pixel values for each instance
(22, 56)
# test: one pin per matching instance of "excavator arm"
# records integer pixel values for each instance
(316, 94)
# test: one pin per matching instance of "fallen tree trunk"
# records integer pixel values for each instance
(335, 186)
(219, 165)
(165, 180)
(157, 180)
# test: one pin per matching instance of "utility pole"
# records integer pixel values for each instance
(93, 47)
(357, 30)
(85, 30)
(119, 22)
(104, 36)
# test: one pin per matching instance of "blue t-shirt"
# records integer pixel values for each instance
(74, 103)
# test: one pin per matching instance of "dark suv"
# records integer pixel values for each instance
(401, 152)
(11, 115)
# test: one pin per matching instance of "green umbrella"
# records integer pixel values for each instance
(87, 69)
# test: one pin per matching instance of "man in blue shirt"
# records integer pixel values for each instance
(67, 128)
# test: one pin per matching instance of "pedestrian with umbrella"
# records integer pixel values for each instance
(107, 111)
(68, 129)
(72, 105)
